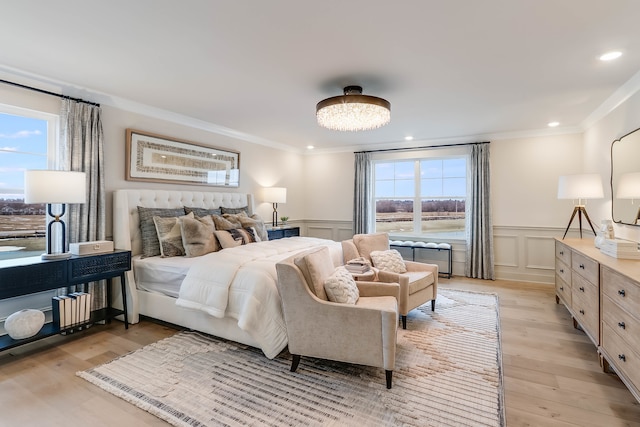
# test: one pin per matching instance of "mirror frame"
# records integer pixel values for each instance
(613, 198)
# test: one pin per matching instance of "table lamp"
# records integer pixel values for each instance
(275, 195)
(55, 187)
(629, 188)
(579, 187)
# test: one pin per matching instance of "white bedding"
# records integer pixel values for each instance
(240, 283)
(161, 275)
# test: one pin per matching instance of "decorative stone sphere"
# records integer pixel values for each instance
(24, 323)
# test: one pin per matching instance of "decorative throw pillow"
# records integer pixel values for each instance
(390, 260)
(256, 222)
(223, 223)
(169, 236)
(236, 237)
(244, 209)
(150, 244)
(202, 212)
(341, 287)
(197, 236)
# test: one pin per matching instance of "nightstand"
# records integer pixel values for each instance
(282, 232)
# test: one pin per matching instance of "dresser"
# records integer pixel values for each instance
(602, 294)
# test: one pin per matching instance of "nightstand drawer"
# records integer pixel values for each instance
(281, 233)
(87, 268)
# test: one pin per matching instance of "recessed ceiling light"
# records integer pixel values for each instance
(610, 55)
(408, 138)
(553, 124)
(310, 147)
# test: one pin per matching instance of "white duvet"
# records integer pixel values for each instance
(240, 283)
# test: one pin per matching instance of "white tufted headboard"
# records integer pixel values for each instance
(126, 223)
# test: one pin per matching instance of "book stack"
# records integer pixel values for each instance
(71, 310)
(357, 267)
(622, 249)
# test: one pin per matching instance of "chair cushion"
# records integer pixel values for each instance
(341, 287)
(366, 243)
(316, 266)
(389, 260)
(419, 280)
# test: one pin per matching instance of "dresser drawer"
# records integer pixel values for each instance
(563, 253)
(586, 267)
(623, 323)
(585, 304)
(622, 355)
(623, 291)
(563, 290)
(563, 271)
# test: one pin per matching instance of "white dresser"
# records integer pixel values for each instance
(602, 294)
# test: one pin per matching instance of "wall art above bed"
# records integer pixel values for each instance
(156, 158)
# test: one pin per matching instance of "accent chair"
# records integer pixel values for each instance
(417, 286)
(362, 333)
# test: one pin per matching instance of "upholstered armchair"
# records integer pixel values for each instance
(417, 286)
(362, 333)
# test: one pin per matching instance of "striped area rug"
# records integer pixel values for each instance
(448, 373)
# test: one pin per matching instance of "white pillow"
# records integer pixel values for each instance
(390, 260)
(341, 287)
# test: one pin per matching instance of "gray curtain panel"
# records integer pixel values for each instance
(82, 151)
(363, 193)
(480, 261)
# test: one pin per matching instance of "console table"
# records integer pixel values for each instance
(23, 276)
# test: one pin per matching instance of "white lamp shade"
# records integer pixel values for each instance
(629, 186)
(53, 186)
(582, 186)
(274, 194)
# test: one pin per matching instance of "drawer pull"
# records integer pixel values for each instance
(562, 288)
(561, 252)
(621, 292)
(622, 325)
(581, 266)
(581, 288)
(622, 357)
(562, 270)
(581, 311)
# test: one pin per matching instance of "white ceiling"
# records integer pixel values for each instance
(452, 70)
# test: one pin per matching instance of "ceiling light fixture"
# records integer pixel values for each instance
(353, 111)
(610, 55)
(553, 124)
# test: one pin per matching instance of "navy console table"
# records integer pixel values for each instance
(397, 244)
(23, 276)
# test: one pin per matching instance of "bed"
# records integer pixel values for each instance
(175, 289)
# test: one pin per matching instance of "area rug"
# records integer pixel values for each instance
(448, 373)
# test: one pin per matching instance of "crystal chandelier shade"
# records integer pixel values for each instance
(353, 111)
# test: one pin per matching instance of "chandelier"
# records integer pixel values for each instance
(353, 111)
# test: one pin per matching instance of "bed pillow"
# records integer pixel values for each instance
(244, 209)
(390, 260)
(202, 212)
(150, 243)
(223, 223)
(197, 236)
(256, 222)
(169, 235)
(341, 287)
(236, 237)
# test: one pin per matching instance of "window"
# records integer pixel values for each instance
(421, 197)
(27, 141)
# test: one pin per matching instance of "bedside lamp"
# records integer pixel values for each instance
(629, 188)
(275, 195)
(55, 187)
(578, 187)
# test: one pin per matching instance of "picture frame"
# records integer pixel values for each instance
(156, 158)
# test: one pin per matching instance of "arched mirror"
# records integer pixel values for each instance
(625, 179)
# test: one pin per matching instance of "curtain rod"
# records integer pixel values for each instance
(35, 89)
(421, 148)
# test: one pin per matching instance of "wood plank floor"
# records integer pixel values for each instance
(551, 370)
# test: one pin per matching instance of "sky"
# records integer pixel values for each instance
(23, 145)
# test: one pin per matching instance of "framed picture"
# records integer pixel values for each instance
(156, 158)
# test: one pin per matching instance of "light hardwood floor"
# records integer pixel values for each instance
(552, 374)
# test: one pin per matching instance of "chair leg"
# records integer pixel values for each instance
(404, 322)
(389, 375)
(433, 304)
(295, 362)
